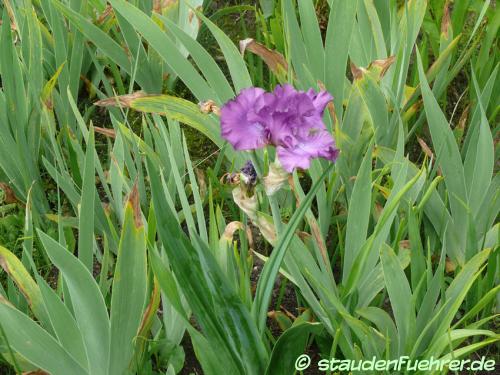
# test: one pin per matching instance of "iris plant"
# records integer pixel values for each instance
(289, 119)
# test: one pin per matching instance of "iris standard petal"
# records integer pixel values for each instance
(241, 124)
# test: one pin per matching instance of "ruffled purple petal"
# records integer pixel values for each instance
(292, 158)
(290, 119)
(331, 153)
(319, 144)
(320, 100)
(241, 125)
(294, 115)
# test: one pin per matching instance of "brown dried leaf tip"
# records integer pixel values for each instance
(446, 20)
(428, 152)
(357, 73)
(136, 205)
(330, 106)
(425, 148)
(122, 100)
(377, 67)
(108, 11)
(383, 65)
(274, 60)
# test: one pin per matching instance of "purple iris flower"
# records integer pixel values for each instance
(249, 173)
(241, 124)
(287, 118)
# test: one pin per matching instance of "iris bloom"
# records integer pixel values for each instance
(288, 119)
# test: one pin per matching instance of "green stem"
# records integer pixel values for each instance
(275, 210)
(273, 202)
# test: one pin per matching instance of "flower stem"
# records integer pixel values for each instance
(273, 202)
(275, 210)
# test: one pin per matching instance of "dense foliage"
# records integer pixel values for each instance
(192, 186)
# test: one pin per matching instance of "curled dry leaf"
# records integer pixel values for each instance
(10, 196)
(122, 100)
(231, 228)
(247, 204)
(230, 179)
(111, 133)
(209, 106)
(426, 149)
(274, 60)
(275, 179)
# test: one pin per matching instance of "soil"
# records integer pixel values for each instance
(288, 303)
(191, 364)
(4, 370)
